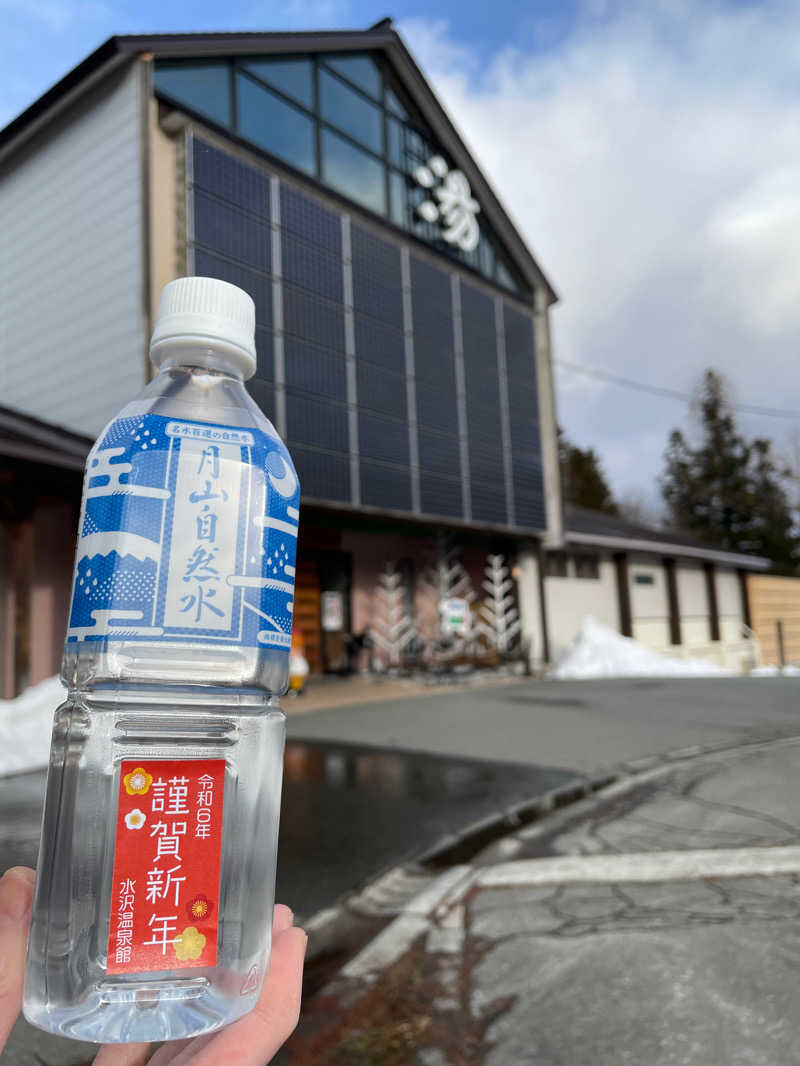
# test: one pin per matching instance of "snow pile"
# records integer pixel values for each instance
(599, 651)
(775, 671)
(25, 726)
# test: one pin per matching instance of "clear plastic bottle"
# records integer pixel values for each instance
(155, 886)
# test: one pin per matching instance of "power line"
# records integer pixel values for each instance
(670, 394)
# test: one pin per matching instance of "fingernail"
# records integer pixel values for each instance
(15, 894)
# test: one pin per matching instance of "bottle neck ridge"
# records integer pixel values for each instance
(193, 354)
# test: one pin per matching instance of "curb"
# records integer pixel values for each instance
(462, 846)
(437, 910)
(467, 843)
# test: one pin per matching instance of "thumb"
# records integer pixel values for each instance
(16, 897)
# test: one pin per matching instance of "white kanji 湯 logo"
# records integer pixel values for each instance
(451, 203)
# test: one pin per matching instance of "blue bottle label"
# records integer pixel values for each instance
(188, 532)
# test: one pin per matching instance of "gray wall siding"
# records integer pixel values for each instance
(72, 349)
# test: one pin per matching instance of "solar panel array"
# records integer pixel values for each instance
(431, 365)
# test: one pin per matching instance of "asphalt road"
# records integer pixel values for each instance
(398, 775)
(348, 812)
(585, 725)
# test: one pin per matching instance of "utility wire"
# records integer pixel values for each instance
(671, 394)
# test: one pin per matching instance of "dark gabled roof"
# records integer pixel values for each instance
(587, 526)
(380, 37)
(31, 440)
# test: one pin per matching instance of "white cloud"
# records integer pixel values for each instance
(652, 160)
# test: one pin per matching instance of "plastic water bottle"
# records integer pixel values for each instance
(154, 893)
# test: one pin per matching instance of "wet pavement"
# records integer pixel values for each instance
(653, 923)
(348, 812)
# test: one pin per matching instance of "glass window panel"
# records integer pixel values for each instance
(395, 136)
(588, 566)
(360, 70)
(202, 87)
(555, 564)
(399, 209)
(274, 125)
(504, 277)
(292, 76)
(416, 144)
(353, 172)
(394, 104)
(486, 256)
(350, 112)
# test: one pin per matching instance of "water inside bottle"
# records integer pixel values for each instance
(155, 885)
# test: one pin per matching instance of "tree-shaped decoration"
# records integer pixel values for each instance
(500, 622)
(392, 628)
(443, 579)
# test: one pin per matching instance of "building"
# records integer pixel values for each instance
(402, 334)
(667, 590)
(402, 323)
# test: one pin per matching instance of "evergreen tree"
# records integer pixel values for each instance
(582, 478)
(773, 530)
(728, 491)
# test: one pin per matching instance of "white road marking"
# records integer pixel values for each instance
(649, 866)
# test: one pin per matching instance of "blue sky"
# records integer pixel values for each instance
(42, 40)
(649, 151)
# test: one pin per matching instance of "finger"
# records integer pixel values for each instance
(184, 1053)
(16, 898)
(181, 1052)
(254, 1039)
(178, 1052)
(175, 1052)
(122, 1055)
(282, 918)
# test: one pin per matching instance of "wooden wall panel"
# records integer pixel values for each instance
(306, 616)
(774, 599)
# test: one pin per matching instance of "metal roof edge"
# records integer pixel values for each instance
(121, 48)
(59, 95)
(667, 547)
(48, 434)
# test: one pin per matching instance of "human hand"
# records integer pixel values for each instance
(250, 1041)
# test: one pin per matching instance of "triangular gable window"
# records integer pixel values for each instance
(344, 120)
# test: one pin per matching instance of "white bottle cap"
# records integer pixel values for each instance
(213, 318)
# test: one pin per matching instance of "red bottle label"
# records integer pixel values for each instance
(165, 891)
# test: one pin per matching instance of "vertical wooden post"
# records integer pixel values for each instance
(713, 609)
(623, 594)
(745, 594)
(672, 599)
(781, 649)
(543, 603)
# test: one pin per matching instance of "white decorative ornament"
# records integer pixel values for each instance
(392, 627)
(135, 819)
(451, 203)
(445, 581)
(500, 622)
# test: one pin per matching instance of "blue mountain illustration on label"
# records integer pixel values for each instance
(188, 532)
